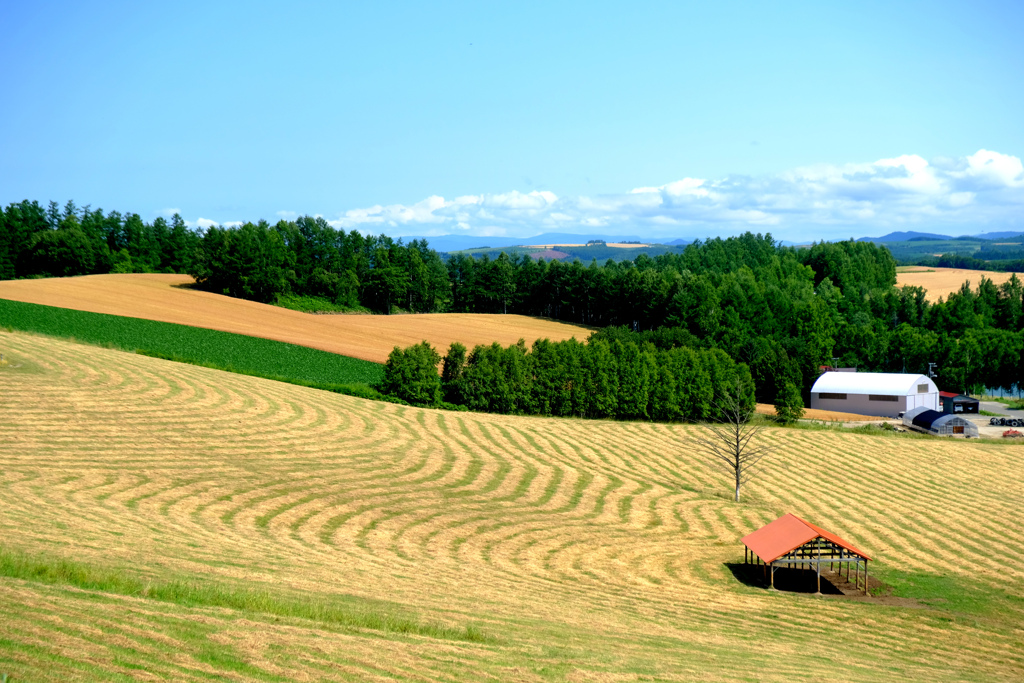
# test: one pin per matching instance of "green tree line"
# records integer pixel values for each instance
(55, 242)
(782, 311)
(600, 379)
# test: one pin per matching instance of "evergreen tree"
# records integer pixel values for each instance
(452, 375)
(789, 406)
(634, 380)
(600, 375)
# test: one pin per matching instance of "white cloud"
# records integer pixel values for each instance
(975, 193)
(687, 187)
(204, 223)
(998, 170)
(169, 212)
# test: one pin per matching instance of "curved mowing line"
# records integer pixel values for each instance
(922, 530)
(626, 502)
(330, 487)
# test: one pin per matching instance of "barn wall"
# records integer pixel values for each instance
(929, 401)
(859, 403)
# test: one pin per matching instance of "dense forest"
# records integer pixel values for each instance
(782, 312)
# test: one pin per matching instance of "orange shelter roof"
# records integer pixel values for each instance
(787, 533)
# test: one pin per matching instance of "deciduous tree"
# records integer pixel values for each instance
(733, 441)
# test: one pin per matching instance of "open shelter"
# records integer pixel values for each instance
(794, 543)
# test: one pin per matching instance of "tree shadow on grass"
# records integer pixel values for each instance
(786, 580)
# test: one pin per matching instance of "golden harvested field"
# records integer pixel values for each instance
(369, 337)
(826, 415)
(582, 550)
(944, 281)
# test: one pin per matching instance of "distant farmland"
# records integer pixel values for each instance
(369, 337)
(944, 281)
(169, 521)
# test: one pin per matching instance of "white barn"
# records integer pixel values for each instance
(885, 394)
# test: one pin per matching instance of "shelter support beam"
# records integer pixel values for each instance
(817, 566)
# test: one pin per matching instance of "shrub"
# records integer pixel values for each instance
(411, 375)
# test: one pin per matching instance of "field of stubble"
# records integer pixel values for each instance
(944, 281)
(578, 550)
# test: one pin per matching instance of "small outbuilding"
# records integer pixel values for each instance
(885, 394)
(940, 424)
(791, 542)
(958, 403)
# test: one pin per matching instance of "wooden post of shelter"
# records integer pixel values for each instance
(817, 565)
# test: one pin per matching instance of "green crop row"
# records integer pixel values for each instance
(199, 346)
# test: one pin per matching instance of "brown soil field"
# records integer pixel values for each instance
(944, 281)
(549, 254)
(621, 245)
(168, 298)
(827, 415)
(581, 550)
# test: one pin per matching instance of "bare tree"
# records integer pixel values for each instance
(732, 441)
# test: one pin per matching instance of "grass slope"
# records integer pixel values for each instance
(167, 521)
(192, 592)
(222, 350)
(315, 304)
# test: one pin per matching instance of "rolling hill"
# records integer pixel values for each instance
(163, 520)
(168, 298)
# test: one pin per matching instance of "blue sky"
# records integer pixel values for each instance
(808, 120)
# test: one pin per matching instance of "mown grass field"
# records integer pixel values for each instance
(168, 521)
(169, 299)
(239, 353)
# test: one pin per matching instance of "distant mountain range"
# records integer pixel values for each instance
(446, 243)
(999, 235)
(905, 237)
(908, 236)
(460, 242)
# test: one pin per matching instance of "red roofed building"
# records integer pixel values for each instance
(794, 543)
